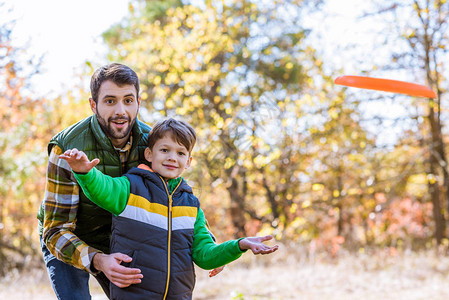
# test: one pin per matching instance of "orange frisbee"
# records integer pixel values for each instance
(386, 85)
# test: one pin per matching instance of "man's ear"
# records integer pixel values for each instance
(148, 154)
(93, 105)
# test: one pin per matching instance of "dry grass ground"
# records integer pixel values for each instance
(291, 274)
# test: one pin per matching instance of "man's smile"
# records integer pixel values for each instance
(119, 123)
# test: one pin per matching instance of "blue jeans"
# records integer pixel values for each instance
(68, 282)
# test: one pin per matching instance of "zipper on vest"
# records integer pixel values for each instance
(170, 209)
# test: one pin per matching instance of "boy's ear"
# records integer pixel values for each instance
(189, 161)
(148, 154)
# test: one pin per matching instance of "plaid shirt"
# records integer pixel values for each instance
(61, 203)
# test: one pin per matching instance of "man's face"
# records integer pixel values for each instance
(168, 158)
(116, 111)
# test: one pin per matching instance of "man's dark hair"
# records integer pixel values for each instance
(117, 73)
(180, 131)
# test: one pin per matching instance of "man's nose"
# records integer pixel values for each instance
(120, 109)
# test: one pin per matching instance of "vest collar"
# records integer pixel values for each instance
(145, 167)
(183, 186)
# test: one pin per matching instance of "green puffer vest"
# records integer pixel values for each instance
(93, 224)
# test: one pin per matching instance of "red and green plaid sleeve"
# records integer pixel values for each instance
(61, 202)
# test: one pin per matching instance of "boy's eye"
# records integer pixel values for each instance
(181, 153)
(164, 150)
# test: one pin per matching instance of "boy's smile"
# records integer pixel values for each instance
(168, 158)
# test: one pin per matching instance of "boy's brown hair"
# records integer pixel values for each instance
(180, 131)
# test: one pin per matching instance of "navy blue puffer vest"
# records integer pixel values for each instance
(156, 230)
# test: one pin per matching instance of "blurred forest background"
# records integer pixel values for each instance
(282, 150)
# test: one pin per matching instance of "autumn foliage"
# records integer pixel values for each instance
(280, 149)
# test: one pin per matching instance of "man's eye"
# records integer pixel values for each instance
(109, 101)
(129, 100)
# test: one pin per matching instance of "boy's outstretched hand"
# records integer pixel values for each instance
(256, 244)
(78, 160)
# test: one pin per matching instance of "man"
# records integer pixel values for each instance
(75, 233)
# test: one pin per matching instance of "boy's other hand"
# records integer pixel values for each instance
(78, 160)
(256, 244)
(215, 271)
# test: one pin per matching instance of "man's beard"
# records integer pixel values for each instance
(112, 132)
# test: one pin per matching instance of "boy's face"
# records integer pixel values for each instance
(168, 158)
(116, 111)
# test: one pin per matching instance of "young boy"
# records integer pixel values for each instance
(159, 222)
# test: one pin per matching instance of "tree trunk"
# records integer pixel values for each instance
(271, 200)
(438, 159)
(434, 188)
(340, 204)
(237, 209)
(437, 214)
